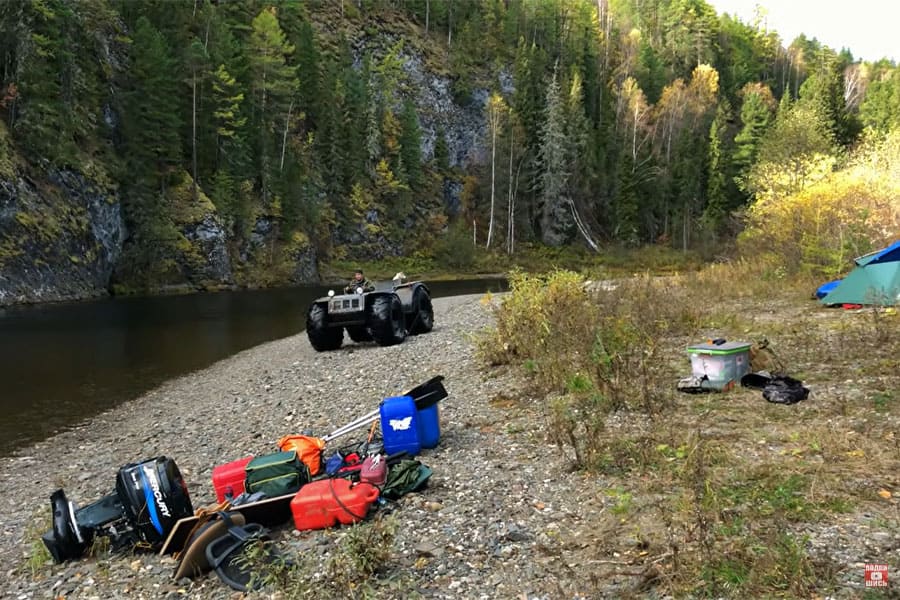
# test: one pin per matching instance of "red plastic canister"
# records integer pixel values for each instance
(228, 479)
(327, 502)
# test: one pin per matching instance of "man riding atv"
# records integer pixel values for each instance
(359, 281)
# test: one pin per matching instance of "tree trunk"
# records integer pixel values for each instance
(509, 195)
(195, 189)
(514, 197)
(582, 228)
(427, 14)
(490, 234)
(264, 150)
(287, 125)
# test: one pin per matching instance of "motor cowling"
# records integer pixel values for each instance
(154, 496)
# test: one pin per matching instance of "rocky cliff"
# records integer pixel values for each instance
(64, 232)
(60, 237)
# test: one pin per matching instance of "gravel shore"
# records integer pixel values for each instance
(487, 526)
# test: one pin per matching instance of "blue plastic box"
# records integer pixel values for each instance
(429, 427)
(400, 425)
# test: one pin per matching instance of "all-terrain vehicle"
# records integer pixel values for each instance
(386, 316)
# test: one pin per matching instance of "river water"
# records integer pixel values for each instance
(61, 364)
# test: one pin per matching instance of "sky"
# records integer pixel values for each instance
(868, 28)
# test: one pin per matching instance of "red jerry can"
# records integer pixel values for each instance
(327, 502)
(228, 479)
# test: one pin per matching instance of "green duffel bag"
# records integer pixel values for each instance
(276, 474)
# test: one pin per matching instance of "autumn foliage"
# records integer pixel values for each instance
(835, 215)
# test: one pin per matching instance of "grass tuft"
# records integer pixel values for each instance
(730, 494)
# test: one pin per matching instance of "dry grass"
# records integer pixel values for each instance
(723, 494)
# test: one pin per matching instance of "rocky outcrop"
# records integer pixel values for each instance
(208, 242)
(305, 264)
(59, 239)
(267, 259)
(462, 122)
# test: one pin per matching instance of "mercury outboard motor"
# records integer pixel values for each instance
(150, 498)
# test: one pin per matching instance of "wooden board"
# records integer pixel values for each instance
(269, 512)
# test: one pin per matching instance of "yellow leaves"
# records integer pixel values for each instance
(885, 494)
(857, 453)
(762, 91)
(810, 214)
(704, 86)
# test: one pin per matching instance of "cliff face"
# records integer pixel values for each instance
(60, 238)
(64, 232)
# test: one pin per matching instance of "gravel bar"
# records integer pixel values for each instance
(488, 525)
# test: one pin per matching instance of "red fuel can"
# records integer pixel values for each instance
(327, 502)
(228, 479)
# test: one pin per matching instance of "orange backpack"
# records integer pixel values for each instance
(308, 448)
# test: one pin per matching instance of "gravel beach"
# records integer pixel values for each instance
(488, 525)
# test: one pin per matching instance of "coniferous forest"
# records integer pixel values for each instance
(160, 142)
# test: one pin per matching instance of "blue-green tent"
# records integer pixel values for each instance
(875, 280)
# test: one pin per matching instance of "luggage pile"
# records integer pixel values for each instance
(304, 481)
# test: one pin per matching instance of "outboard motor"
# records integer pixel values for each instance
(150, 498)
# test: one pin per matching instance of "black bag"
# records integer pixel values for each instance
(778, 389)
(785, 390)
(154, 497)
(276, 474)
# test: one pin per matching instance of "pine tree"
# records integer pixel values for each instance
(756, 116)
(353, 124)
(720, 192)
(374, 111)
(441, 152)
(411, 145)
(151, 125)
(824, 91)
(880, 109)
(309, 72)
(151, 118)
(44, 63)
(274, 86)
(553, 171)
(329, 145)
(197, 65)
(227, 102)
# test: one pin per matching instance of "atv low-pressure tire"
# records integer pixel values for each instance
(422, 318)
(386, 320)
(359, 333)
(321, 336)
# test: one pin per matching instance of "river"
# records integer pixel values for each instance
(61, 364)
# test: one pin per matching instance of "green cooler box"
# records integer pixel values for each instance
(723, 364)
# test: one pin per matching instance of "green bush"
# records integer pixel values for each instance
(455, 249)
(593, 351)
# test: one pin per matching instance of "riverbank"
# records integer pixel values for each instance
(485, 526)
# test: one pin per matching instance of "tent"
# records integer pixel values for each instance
(875, 280)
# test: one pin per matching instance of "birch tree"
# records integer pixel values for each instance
(495, 109)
